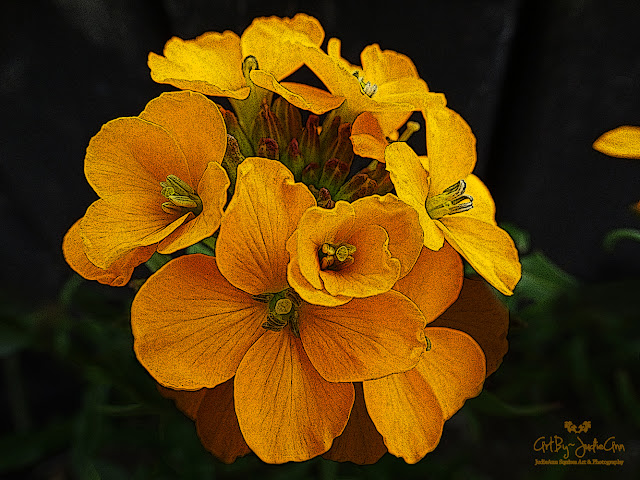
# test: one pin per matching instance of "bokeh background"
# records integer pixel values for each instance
(538, 82)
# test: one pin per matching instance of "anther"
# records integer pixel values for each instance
(182, 198)
(335, 257)
(452, 200)
(366, 88)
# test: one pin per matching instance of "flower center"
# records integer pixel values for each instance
(335, 257)
(283, 310)
(452, 200)
(182, 198)
(366, 88)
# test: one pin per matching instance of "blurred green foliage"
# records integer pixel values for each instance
(78, 405)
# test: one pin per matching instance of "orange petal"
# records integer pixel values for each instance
(400, 221)
(367, 137)
(110, 231)
(454, 367)
(451, 148)
(261, 216)
(373, 271)
(622, 142)
(273, 41)
(130, 156)
(435, 281)
(406, 412)
(286, 410)
(360, 442)
(302, 96)
(119, 272)
(488, 249)
(217, 424)
(210, 64)
(364, 339)
(411, 180)
(187, 401)
(300, 283)
(195, 124)
(478, 312)
(191, 327)
(212, 190)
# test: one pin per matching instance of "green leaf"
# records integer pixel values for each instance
(542, 280)
(156, 261)
(520, 237)
(615, 236)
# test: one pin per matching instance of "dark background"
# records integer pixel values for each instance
(537, 82)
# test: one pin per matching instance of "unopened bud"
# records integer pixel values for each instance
(268, 148)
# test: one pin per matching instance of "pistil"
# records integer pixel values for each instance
(283, 310)
(335, 257)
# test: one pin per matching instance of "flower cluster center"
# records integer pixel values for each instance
(283, 310)
(335, 257)
(182, 198)
(451, 200)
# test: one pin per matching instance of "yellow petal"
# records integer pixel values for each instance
(360, 442)
(483, 206)
(386, 66)
(191, 327)
(195, 124)
(217, 424)
(273, 41)
(451, 148)
(479, 313)
(367, 137)
(488, 249)
(406, 412)
(262, 215)
(212, 190)
(302, 96)
(118, 273)
(412, 187)
(435, 281)
(111, 230)
(622, 142)
(454, 368)
(210, 64)
(363, 339)
(286, 410)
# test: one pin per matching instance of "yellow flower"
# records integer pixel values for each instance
(160, 183)
(224, 64)
(355, 249)
(200, 321)
(387, 85)
(452, 203)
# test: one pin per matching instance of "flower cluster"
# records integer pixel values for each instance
(331, 316)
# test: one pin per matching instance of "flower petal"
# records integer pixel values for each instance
(400, 221)
(261, 216)
(217, 424)
(360, 442)
(483, 206)
(367, 137)
(273, 40)
(130, 156)
(186, 401)
(195, 124)
(212, 190)
(489, 249)
(479, 313)
(454, 367)
(111, 230)
(302, 96)
(286, 410)
(118, 273)
(364, 339)
(405, 411)
(622, 142)
(191, 327)
(210, 64)
(451, 148)
(411, 180)
(434, 282)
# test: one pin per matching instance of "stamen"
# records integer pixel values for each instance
(452, 200)
(335, 257)
(283, 310)
(248, 64)
(182, 197)
(366, 88)
(410, 129)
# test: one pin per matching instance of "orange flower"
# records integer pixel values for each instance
(356, 249)
(160, 183)
(200, 321)
(452, 203)
(216, 63)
